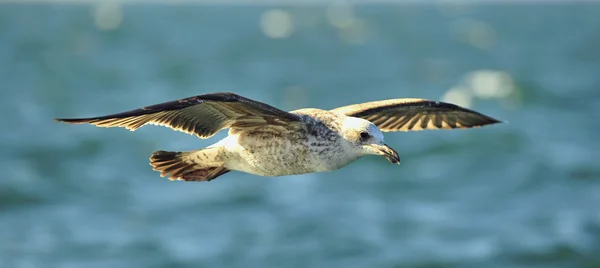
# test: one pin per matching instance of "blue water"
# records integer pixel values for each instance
(525, 193)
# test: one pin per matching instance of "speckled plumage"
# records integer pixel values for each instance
(266, 141)
(316, 146)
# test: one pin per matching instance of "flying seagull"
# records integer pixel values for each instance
(267, 141)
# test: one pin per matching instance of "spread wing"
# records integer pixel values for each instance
(202, 115)
(416, 114)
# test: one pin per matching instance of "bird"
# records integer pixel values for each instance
(265, 141)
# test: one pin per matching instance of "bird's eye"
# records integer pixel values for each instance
(364, 135)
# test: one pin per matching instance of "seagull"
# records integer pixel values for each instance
(266, 141)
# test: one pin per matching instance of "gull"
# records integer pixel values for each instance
(266, 141)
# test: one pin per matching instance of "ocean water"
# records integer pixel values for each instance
(525, 193)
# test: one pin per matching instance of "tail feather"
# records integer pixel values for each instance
(180, 166)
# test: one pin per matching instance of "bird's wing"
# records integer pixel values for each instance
(202, 115)
(416, 114)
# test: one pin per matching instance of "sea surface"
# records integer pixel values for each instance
(524, 193)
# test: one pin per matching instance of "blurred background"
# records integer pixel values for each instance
(521, 194)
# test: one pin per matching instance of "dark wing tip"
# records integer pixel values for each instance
(486, 120)
(492, 120)
(73, 120)
(482, 119)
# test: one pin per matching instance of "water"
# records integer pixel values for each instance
(520, 194)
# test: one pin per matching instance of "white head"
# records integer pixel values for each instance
(366, 138)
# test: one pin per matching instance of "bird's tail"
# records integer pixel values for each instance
(188, 166)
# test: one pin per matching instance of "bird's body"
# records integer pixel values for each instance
(315, 146)
(266, 141)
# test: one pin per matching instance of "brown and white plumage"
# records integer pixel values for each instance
(202, 115)
(267, 141)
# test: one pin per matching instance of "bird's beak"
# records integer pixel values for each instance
(387, 152)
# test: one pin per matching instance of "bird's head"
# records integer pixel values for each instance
(366, 138)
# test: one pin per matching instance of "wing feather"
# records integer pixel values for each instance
(202, 115)
(416, 114)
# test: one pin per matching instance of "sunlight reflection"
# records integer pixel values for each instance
(482, 84)
(108, 15)
(276, 23)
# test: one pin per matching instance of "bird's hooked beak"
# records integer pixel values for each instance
(387, 152)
